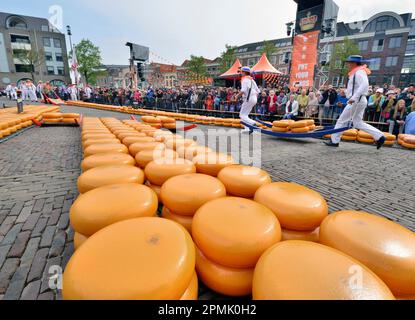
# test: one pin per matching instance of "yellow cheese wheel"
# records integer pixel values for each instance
(389, 137)
(156, 189)
(124, 135)
(409, 138)
(192, 291)
(365, 135)
(300, 130)
(185, 194)
(128, 141)
(282, 123)
(224, 280)
(78, 240)
(105, 148)
(234, 232)
(312, 236)
(349, 138)
(280, 129)
(185, 221)
(299, 124)
(98, 136)
(141, 146)
(176, 143)
(91, 142)
(243, 181)
(143, 158)
(296, 207)
(170, 125)
(107, 205)
(70, 115)
(105, 159)
(107, 175)
(138, 259)
(51, 120)
(364, 140)
(407, 145)
(387, 248)
(192, 151)
(52, 115)
(212, 163)
(161, 170)
(302, 270)
(389, 143)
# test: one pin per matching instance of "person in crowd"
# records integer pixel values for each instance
(387, 106)
(312, 108)
(357, 90)
(262, 103)
(374, 107)
(39, 89)
(31, 91)
(8, 91)
(73, 92)
(194, 99)
(281, 102)
(329, 98)
(303, 101)
(397, 117)
(341, 103)
(272, 103)
(291, 108)
(217, 101)
(410, 123)
(87, 93)
(209, 102)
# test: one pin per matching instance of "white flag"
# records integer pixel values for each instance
(75, 75)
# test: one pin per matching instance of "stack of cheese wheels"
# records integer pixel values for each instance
(385, 247)
(301, 270)
(350, 135)
(211, 163)
(71, 118)
(282, 125)
(183, 195)
(52, 117)
(407, 141)
(107, 175)
(390, 139)
(302, 126)
(175, 142)
(364, 137)
(167, 122)
(105, 159)
(162, 169)
(243, 181)
(107, 205)
(152, 121)
(299, 209)
(231, 234)
(138, 259)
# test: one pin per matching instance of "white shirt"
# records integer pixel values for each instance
(361, 87)
(88, 92)
(246, 85)
(294, 108)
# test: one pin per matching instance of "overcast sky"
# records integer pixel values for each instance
(175, 29)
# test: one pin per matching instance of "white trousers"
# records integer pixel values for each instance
(32, 95)
(355, 113)
(25, 94)
(73, 96)
(246, 109)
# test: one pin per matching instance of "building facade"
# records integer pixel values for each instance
(160, 75)
(22, 34)
(117, 76)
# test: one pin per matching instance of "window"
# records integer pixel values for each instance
(61, 71)
(259, 48)
(273, 60)
(363, 45)
(46, 42)
(48, 56)
(375, 64)
(16, 22)
(408, 65)
(391, 61)
(378, 45)
(382, 23)
(19, 39)
(395, 42)
(410, 47)
(45, 28)
(51, 71)
(57, 43)
(335, 81)
(26, 68)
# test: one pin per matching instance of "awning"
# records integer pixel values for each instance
(232, 73)
(264, 67)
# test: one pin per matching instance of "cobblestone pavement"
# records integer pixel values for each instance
(39, 169)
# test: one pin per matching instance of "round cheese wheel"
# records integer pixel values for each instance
(176, 143)
(365, 135)
(389, 137)
(280, 129)
(282, 123)
(107, 175)
(301, 270)
(234, 232)
(312, 236)
(296, 207)
(300, 130)
(407, 145)
(243, 181)
(192, 291)
(387, 248)
(224, 280)
(409, 138)
(143, 158)
(185, 221)
(349, 138)
(91, 142)
(128, 141)
(156, 189)
(105, 159)
(364, 140)
(389, 143)
(185, 194)
(97, 131)
(98, 136)
(105, 148)
(78, 240)
(107, 205)
(161, 170)
(138, 259)
(212, 163)
(192, 151)
(298, 124)
(124, 135)
(141, 146)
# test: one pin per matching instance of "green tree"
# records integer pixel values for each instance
(89, 60)
(197, 66)
(268, 48)
(341, 52)
(30, 58)
(227, 57)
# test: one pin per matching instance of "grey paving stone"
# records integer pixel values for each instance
(31, 221)
(58, 244)
(40, 226)
(38, 265)
(19, 245)
(4, 250)
(6, 225)
(9, 268)
(46, 296)
(24, 214)
(31, 291)
(11, 236)
(17, 283)
(47, 236)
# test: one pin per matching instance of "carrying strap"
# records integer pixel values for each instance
(354, 85)
(249, 92)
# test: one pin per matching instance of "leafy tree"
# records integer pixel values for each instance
(89, 60)
(31, 58)
(268, 48)
(197, 66)
(341, 52)
(227, 57)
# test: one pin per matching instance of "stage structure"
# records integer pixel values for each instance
(315, 20)
(141, 54)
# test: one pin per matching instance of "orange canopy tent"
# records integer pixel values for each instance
(264, 67)
(232, 73)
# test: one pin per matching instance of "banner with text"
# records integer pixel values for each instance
(304, 59)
